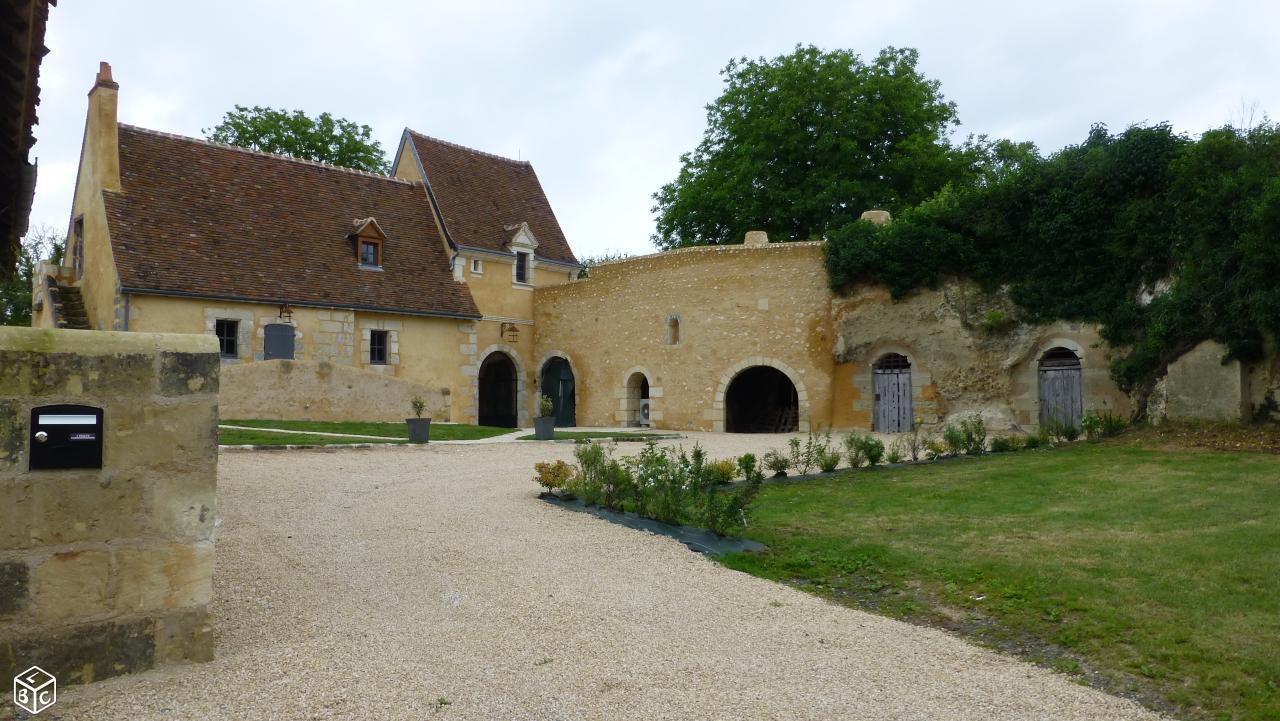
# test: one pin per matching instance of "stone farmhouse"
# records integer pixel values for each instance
(339, 294)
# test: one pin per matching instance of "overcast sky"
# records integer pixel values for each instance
(603, 99)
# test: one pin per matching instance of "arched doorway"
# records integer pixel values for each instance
(1061, 388)
(497, 401)
(892, 374)
(557, 382)
(638, 412)
(761, 399)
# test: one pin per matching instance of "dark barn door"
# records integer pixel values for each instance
(1061, 388)
(892, 375)
(498, 391)
(557, 382)
(277, 341)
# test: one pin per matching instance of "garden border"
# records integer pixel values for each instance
(696, 539)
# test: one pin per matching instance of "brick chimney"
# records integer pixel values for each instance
(100, 154)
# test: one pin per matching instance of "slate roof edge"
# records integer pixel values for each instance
(135, 290)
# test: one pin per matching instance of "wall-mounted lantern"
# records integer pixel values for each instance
(510, 332)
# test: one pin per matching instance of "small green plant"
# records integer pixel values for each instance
(915, 442)
(803, 456)
(934, 449)
(546, 406)
(777, 462)
(1070, 432)
(1097, 426)
(552, 476)
(828, 460)
(1002, 444)
(974, 432)
(996, 321)
(896, 453)
(953, 439)
(1268, 409)
(418, 404)
(1033, 441)
(854, 450)
(873, 449)
(749, 469)
(721, 471)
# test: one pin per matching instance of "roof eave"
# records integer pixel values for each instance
(135, 290)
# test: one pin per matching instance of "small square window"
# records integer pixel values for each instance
(477, 266)
(227, 331)
(370, 252)
(522, 267)
(378, 347)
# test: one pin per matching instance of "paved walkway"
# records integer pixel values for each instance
(429, 582)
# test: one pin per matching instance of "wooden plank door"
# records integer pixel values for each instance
(892, 413)
(1061, 396)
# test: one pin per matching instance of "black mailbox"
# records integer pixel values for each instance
(65, 436)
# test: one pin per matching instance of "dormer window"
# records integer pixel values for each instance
(368, 239)
(522, 267)
(370, 252)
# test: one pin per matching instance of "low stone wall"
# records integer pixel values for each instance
(321, 391)
(108, 571)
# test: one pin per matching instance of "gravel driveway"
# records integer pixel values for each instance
(412, 583)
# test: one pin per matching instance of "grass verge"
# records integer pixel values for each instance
(439, 431)
(233, 437)
(1152, 573)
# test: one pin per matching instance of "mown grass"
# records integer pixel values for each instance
(439, 431)
(596, 435)
(233, 437)
(1153, 573)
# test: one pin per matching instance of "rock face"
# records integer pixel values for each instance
(108, 570)
(972, 353)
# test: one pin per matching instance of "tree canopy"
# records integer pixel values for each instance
(1163, 240)
(41, 243)
(807, 141)
(325, 138)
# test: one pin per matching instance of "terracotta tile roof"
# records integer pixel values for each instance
(481, 195)
(23, 23)
(199, 218)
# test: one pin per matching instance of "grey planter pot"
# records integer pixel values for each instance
(544, 428)
(419, 429)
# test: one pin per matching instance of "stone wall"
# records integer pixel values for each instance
(322, 391)
(108, 571)
(1201, 386)
(736, 306)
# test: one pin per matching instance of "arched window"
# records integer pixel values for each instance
(673, 330)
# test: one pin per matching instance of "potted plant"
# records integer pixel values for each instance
(544, 425)
(419, 427)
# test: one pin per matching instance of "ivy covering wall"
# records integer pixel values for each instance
(1163, 240)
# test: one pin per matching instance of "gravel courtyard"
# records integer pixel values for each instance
(411, 583)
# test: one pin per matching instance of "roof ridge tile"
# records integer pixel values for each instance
(469, 149)
(264, 154)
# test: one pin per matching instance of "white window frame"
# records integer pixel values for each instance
(477, 266)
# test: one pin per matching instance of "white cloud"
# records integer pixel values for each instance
(604, 98)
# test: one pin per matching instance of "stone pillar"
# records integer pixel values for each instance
(108, 571)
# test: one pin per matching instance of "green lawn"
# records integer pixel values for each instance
(597, 435)
(439, 431)
(1150, 572)
(231, 437)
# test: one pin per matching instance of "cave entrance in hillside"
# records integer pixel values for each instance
(761, 399)
(497, 401)
(892, 373)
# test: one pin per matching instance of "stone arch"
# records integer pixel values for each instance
(573, 371)
(717, 414)
(672, 329)
(630, 394)
(522, 410)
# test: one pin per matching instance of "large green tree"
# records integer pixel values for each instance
(41, 243)
(807, 141)
(325, 138)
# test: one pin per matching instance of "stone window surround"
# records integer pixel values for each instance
(393, 328)
(671, 329)
(1028, 372)
(477, 266)
(244, 331)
